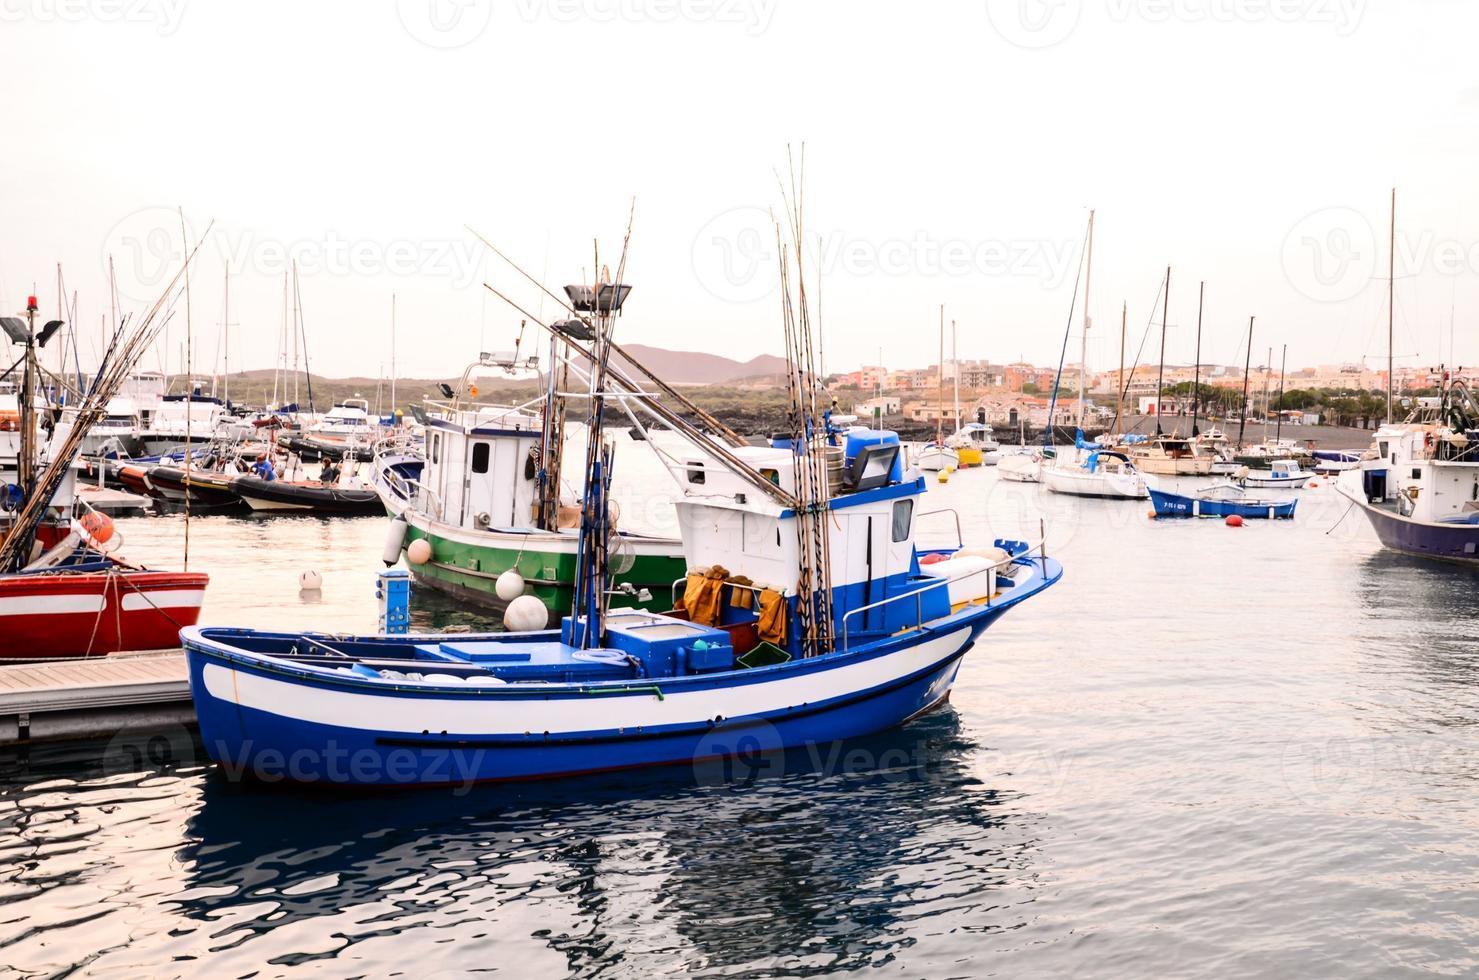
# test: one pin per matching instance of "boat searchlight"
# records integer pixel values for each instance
(15, 328)
(605, 298)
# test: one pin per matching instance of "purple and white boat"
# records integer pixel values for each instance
(1420, 485)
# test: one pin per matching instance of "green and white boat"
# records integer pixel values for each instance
(481, 495)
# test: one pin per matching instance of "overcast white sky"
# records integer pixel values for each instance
(953, 149)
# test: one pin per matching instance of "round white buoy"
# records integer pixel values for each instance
(395, 540)
(510, 585)
(310, 581)
(525, 613)
(418, 552)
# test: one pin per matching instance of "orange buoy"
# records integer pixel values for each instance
(1150, 513)
(1314, 483)
(1233, 520)
(98, 526)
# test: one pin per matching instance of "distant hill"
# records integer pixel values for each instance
(698, 368)
(675, 367)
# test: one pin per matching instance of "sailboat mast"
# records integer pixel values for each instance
(1083, 359)
(1160, 377)
(1196, 384)
(1247, 365)
(1119, 385)
(940, 420)
(226, 343)
(26, 468)
(955, 364)
(1391, 303)
(392, 355)
(1283, 362)
(1268, 374)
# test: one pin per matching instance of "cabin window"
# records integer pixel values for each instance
(436, 447)
(696, 473)
(480, 457)
(1417, 474)
(903, 515)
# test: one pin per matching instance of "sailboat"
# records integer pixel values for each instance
(936, 456)
(1092, 470)
(1162, 454)
(783, 636)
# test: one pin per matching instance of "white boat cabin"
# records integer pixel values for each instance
(879, 585)
(481, 467)
(1415, 471)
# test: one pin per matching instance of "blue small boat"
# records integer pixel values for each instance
(1221, 500)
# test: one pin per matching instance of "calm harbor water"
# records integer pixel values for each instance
(1208, 751)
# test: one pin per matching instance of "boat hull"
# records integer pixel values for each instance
(268, 726)
(203, 489)
(933, 459)
(466, 564)
(45, 616)
(1173, 466)
(1178, 505)
(1457, 543)
(1075, 481)
(278, 496)
(1287, 483)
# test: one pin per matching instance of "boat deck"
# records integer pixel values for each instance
(86, 698)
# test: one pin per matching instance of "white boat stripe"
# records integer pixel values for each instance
(37, 605)
(494, 715)
(164, 599)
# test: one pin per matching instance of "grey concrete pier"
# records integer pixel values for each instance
(91, 698)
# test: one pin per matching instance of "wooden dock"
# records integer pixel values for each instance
(91, 698)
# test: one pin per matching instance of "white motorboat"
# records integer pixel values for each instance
(1281, 473)
(933, 457)
(1022, 466)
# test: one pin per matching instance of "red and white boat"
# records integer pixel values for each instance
(96, 608)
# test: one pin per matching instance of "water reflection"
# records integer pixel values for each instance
(830, 859)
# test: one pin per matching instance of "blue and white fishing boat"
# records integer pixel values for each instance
(1219, 500)
(808, 614)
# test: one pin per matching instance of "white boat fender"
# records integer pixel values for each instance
(395, 540)
(957, 567)
(525, 614)
(510, 585)
(418, 552)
